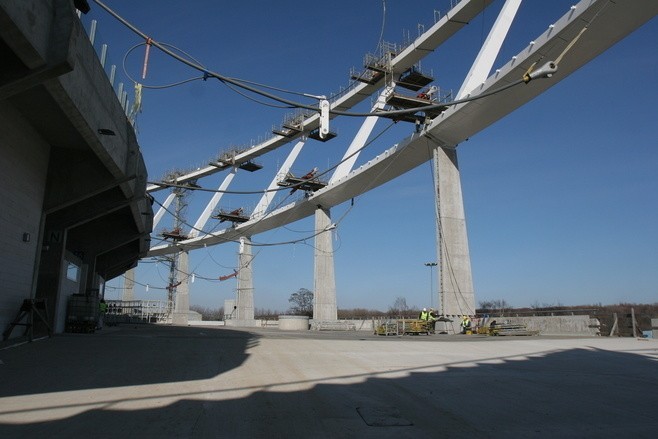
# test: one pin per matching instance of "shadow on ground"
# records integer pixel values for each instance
(572, 393)
(125, 356)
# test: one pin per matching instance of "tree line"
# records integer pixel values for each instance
(301, 303)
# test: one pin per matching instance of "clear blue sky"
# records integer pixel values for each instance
(561, 196)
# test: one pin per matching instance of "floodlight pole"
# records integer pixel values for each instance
(430, 265)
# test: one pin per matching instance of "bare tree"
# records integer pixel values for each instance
(399, 306)
(302, 302)
(497, 305)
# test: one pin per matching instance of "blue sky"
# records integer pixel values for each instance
(561, 196)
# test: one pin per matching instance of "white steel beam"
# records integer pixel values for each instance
(361, 137)
(158, 216)
(268, 196)
(490, 49)
(212, 204)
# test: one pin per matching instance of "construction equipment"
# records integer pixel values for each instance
(501, 329)
(30, 308)
(405, 327)
(82, 313)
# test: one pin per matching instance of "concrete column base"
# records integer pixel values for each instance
(244, 323)
(293, 323)
(180, 318)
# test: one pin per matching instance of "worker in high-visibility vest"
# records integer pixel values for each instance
(465, 324)
(102, 310)
(432, 317)
(424, 315)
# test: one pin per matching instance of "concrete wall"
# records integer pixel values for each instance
(556, 325)
(64, 183)
(23, 169)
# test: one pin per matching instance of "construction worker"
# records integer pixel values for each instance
(465, 324)
(432, 317)
(424, 315)
(102, 309)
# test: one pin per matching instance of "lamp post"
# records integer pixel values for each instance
(430, 265)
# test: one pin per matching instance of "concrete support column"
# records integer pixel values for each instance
(182, 299)
(457, 295)
(324, 294)
(129, 285)
(245, 292)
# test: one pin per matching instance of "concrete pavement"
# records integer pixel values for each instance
(184, 382)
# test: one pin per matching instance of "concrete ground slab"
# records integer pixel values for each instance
(185, 382)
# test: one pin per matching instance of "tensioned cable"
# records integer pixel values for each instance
(279, 189)
(197, 66)
(206, 278)
(195, 274)
(381, 33)
(315, 233)
(267, 104)
(143, 285)
(367, 186)
(156, 87)
(364, 188)
(213, 234)
(204, 77)
(238, 83)
(301, 240)
(217, 263)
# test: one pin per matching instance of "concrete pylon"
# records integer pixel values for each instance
(457, 295)
(324, 294)
(244, 312)
(182, 305)
(128, 285)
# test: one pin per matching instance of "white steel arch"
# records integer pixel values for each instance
(462, 121)
(455, 19)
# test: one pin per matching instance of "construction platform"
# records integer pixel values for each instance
(301, 183)
(175, 235)
(414, 79)
(234, 216)
(147, 381)
(401, 101)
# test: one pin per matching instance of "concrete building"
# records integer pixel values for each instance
(75, 211)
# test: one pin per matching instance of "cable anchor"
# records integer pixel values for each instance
(149, 41)
(324, 117)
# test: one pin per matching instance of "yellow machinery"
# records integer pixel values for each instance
(405, 327)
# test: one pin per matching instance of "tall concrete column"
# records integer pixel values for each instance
(182, 298)
(324, 294)
(245, 292)
(457, 295)
(128, 285)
